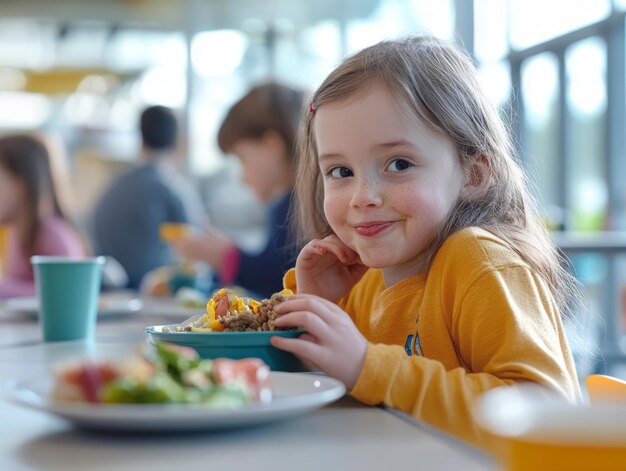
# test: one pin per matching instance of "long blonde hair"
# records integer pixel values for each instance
(440, 84)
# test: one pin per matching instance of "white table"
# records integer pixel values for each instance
(343, 436)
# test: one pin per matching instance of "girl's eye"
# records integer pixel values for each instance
(340, 172)
(399, 165)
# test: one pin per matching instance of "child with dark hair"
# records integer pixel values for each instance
(159, 128)
(127, 218)
(29, 208)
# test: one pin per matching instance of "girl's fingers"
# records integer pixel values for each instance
(313, 252)
(308, 337)
(306, 303)
(348, 255)
(320, 247)
(299, 303)
(307, 351)
(343, 255)
(306, 320)
(327, 314)
(309, 364)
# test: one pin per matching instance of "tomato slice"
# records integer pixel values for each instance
(90, 381)
(252, 372)
(90, 377)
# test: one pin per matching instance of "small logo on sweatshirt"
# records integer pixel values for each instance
(413, 346)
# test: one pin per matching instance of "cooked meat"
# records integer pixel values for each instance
(245, 321)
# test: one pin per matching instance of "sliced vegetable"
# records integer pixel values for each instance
(169, 374)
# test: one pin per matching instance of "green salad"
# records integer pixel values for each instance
(165, 374)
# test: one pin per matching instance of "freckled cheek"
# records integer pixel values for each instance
(332, 210)
(336, 212)
(421, 207)
(409, 200)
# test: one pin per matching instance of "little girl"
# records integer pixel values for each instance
(30, 209)
(428, 278)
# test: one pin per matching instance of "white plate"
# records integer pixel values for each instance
(294, 394)
(108, 304)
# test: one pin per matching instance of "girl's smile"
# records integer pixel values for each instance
(372, 229)
(390, 180)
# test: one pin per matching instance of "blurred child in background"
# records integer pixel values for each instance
(260, 130)
(29, 208)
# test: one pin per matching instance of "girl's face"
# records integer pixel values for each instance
(266, 168)
(389, 180)
(12, 196)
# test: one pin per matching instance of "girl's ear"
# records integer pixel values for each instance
(478, 176)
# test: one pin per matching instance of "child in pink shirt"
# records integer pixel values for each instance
(29, 207)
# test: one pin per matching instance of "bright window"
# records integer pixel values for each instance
(540, 94)
(534, 21)
(586, 102)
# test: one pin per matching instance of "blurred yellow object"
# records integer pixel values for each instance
(69, 80)
(527, 455)
(4, 239)
(171, 231)
(532, 429)
(602, 388)
(289, 280)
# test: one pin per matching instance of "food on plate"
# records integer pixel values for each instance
(228, 312)
(167, 374)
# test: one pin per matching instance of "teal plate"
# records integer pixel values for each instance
(235, 345)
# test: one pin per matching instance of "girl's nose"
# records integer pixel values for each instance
(367, 193)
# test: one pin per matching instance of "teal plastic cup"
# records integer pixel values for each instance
(68, 290)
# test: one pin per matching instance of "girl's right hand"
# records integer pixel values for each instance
(328, 268)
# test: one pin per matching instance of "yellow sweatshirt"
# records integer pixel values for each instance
(480, 318)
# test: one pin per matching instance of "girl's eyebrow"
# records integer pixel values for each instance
(392, 144)
(378, 147)
(328, 157)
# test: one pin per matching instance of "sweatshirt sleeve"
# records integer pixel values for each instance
(504, 332)
(422, 388)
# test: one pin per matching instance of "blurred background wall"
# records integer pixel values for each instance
(82, 71)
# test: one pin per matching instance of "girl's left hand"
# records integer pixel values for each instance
(332, 343)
